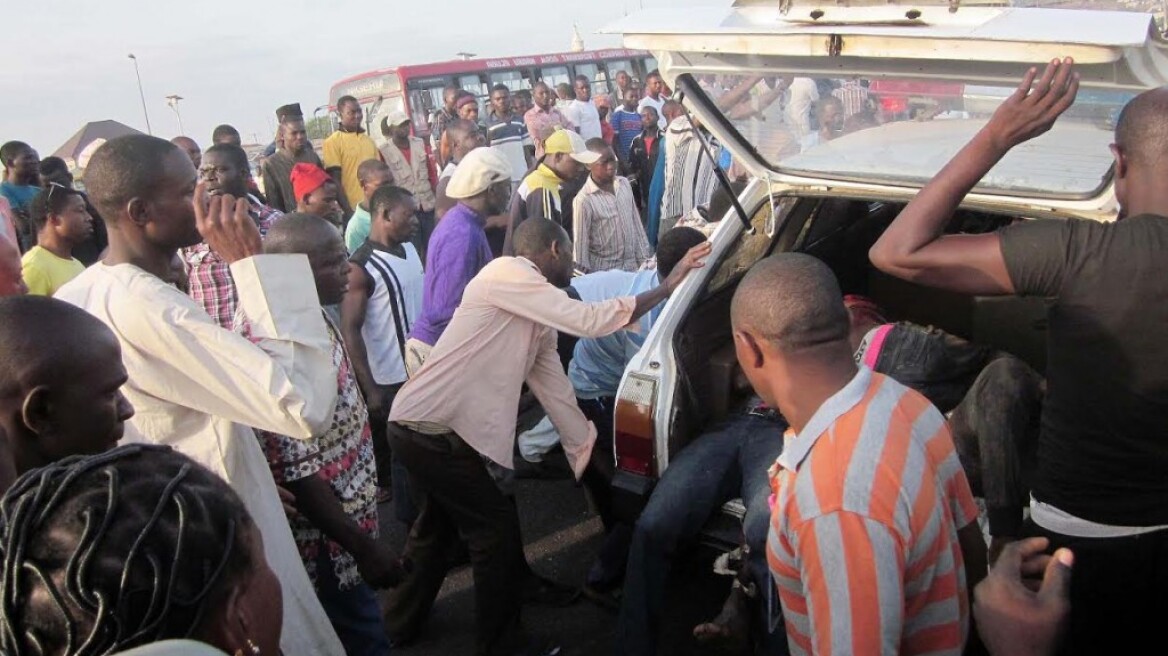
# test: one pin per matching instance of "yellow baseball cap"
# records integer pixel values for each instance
(568, 142)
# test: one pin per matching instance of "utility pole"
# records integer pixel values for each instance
(172, 100)
(141, 95)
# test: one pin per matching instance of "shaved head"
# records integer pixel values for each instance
(48, 340)
(792, 301)
(367, 169)
(536, 236)
(1142, 130)
(299, 233)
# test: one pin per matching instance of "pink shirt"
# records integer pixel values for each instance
(502, 335)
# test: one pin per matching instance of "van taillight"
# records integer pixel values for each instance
(636, 443)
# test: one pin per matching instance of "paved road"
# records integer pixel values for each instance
(561, 536)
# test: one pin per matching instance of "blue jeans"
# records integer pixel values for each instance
(730, 461)
(354, 613)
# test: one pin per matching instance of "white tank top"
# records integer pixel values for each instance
(392, 309)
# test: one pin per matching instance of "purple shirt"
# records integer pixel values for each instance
(458, 251)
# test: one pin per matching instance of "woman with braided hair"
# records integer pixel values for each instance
(134, 546)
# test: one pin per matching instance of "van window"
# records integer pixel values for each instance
(554, 75)
(750, 248)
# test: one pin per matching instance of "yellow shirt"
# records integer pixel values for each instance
(45, 273)
(347, 150)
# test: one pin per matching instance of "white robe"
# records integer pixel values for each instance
(198, 388)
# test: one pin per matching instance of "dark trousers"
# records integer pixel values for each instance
(421, 240)
(1119, 592)
(457, 497)
(609, 567)
(728, 462)
(354, 613)
(382, 454)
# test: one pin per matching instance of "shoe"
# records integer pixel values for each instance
(606, 599)
(545, 592)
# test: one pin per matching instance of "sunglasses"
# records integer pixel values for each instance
(53, 187)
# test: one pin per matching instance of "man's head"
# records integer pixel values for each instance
(393, 215)
(60, 393)
(226, 134)
(622, 80)
(673, 247)
(654, 85)
(482, 181)
(564, 91)
(467, 108)
(671, 110)
(449, 95)
(829, 112)
(396, 127)
(649, 119)
(630, 96)
(521, 101)
(294, 134)
(542, 95)
(11, 277)
(603, 170)
(316, 193)
(582, 88)
(20, 163)
(315, 237)
(144, 188)
(350, 114)
(191, 148)
(60, 215)
(54, 169)
(1141, 148)
(565, 151)
(603, 106)
(463, 136)
(226, 170)
(501, 100)
(548, 246)
(789, 319)
(373, 174)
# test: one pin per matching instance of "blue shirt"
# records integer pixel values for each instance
(19, 196)
(627, 126)
(597, 364)
(458, 250)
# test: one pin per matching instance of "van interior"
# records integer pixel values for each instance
(839, 231)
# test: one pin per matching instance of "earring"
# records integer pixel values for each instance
(252, 648)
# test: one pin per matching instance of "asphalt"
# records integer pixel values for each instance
(561, 536)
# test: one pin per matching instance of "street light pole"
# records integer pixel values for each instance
(140, 94)
(172, 100)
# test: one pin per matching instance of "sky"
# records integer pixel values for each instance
(236, 61)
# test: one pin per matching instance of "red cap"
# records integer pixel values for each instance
(307, 178)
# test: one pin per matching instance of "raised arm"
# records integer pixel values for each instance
(914, 248)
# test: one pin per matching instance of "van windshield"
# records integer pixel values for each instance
(903, 131)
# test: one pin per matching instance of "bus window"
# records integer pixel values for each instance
(513, 80)
(554, 75)
(473, 84)
(422, 104)
(650, 64)
(619, 65)
(595, 77)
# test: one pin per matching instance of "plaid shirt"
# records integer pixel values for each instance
(210, 277)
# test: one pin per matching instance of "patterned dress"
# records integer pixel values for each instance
(343, 456)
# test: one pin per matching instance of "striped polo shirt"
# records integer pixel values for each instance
(863, 541)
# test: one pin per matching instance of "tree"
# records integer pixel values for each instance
(318, 127)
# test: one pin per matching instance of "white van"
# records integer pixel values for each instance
(832, 195)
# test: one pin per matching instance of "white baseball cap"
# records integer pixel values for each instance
(481, 168)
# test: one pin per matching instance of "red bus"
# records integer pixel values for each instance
(383, 91)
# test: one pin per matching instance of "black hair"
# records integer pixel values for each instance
(124, 168)
(11, 150)
(108, 552)
(388, 197)
(224, 131)
(49, 201)
(235, 154)
(584, 79)
(792, 300)
(654, 74)
(543, 84)
(650, 108)
(364, 169)
(535, 236)
(1142, 131)
(345, 100)
(525, 93)
(673, 246)
(299, 232)
(53, 165)
(597, 145)
(501, 87)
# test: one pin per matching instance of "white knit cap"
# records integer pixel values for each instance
(481, 168)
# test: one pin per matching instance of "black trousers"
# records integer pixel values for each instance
(457, 497)
(382, 454)
(1119, 592)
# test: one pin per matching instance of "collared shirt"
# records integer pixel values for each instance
(853, 95)
(863, 542)
(508, 136)
(598, 364)
(458, 250)
(586, 117)
(690, 178)
(347, 151)
(210, 277)
(627, 125)
(276, 174)
(199, 389)
(501, 336)
(607, 232)
(541, 123)
(342, 456)
(411, 171)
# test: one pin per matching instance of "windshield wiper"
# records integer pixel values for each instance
(684, 83)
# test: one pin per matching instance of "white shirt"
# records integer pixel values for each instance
(586, 117)
(198, 388)
(801, 96)
(393, 307)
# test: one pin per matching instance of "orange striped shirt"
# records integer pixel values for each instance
(863, 541)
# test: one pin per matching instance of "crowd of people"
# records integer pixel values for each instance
(284, 365)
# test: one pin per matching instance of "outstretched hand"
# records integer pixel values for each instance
(695, 258)
(1012, 618)
(1035, 105)
(226, 225)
